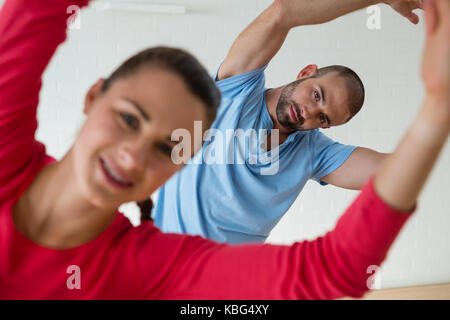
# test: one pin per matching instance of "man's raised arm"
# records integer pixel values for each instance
(262, 39)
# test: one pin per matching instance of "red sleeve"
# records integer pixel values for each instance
(30, 32)
(333, 266)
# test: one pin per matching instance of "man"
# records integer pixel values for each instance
(236, 203)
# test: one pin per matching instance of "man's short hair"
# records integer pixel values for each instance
(355, 87)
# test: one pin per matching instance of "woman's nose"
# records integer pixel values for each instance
(132, 157)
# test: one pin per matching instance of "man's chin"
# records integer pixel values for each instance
(289, 126)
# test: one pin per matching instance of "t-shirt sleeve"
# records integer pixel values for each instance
(327, 155)
(175, 266)
(242, 84)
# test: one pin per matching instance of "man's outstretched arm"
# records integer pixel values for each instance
(362, 164)
(263, 38)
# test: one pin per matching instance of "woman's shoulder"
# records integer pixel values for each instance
(19, 181)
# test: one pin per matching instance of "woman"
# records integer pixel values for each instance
(61, 236)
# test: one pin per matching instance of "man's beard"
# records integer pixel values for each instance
(282, 110)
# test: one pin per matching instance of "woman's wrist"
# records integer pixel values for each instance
(436, 110)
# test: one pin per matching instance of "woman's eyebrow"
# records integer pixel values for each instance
(138, 107)
(169, 140)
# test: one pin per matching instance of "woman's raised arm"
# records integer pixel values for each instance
(30, 32)
(337, 264)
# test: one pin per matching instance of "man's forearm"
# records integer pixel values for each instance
(307, 12)
(263, 38)
(257, 44)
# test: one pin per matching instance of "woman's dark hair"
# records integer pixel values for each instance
(146, 207)
(185, 66)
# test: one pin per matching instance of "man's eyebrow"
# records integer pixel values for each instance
(322, 93)
(139, 108)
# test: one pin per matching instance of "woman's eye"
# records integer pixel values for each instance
(165, 149)
(130, 120)
(316, 96)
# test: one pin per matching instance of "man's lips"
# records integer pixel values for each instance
(293, 114)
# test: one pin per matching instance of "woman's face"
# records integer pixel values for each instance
(123, 151)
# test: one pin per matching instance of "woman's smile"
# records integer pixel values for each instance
(114, 177)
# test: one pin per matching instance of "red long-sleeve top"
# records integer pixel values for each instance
(127, 262)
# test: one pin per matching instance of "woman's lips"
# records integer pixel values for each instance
(293, 114)
(113, 177)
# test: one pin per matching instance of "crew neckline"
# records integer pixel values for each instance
(42, 163)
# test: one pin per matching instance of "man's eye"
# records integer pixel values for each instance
(130, 120)
(323, 120)
(316, 96)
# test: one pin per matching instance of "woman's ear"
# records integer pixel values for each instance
(93, 93)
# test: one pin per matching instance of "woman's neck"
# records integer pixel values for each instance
(54, 213)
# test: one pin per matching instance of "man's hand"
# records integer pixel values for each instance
(306, 12)
(406, 7)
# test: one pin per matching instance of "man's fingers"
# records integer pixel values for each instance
(406, 10)
(419, 4)
(413, 18)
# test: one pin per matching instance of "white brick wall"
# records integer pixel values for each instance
(388, 61)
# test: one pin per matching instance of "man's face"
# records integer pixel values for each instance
(311, 103)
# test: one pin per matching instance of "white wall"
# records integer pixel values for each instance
(388, 61)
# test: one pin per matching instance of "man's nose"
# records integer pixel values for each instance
(313, 111)
(309, 112)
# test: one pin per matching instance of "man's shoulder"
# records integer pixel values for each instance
(242, 84)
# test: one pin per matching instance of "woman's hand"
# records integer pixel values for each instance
(406, 7)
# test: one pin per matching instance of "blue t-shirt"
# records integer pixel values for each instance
(233, 190)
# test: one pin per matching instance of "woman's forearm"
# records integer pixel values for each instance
(30, 32)
(402, 176)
